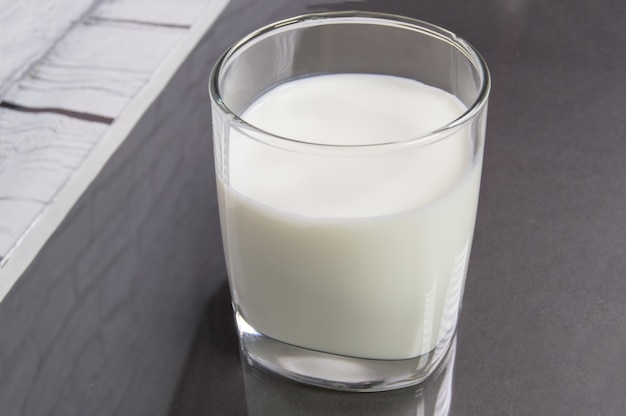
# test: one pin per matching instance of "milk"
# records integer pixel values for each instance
(359, 252)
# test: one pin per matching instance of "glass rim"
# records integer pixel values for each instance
(363, 17)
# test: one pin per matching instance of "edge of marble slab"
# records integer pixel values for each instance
(46, 221)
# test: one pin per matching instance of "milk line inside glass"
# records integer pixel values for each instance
(357, 256)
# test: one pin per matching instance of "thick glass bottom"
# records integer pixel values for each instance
(332, 371)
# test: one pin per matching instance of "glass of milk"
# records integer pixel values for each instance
(348, 153)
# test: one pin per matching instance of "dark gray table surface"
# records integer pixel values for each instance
(543, 325)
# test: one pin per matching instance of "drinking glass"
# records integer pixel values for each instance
(359, 297)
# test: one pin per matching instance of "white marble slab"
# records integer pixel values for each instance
(97, 68)
(65, 115)
(28, 28)
(38, 153)
(155, 12)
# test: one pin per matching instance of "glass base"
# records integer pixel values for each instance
(336, 372)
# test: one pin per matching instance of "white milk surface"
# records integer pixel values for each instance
(359, 253)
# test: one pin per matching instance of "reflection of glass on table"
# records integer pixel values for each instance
(267, 395)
